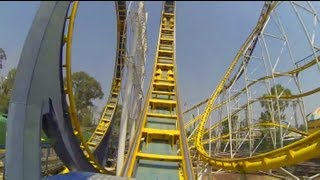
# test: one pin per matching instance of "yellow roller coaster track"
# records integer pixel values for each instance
(266, 124)
(289, 73)
(107, 115)
(301, 150)
(246, 57)
(256, 100)
(160, 124)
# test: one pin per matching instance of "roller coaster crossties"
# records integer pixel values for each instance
(256, 121)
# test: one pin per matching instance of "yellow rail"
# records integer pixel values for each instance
(252, 125)
(301, 150)
(109, 110)
(106, 118)
(292, 72)
(293, 96)
(160, 132)
(313, 91)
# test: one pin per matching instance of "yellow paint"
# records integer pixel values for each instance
(301, 150)
(163, 82)
(158, 157)
(65, 170)
(103, 126)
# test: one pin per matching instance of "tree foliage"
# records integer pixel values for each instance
(85, 89)
(272, 107)
(276, 111)
(85, 116)
(6, 86)
(225, 124)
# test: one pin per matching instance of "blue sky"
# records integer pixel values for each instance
(207, 38)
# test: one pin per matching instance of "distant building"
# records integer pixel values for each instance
(314, 121)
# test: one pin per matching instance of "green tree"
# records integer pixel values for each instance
(225, 124)
(266, 116)
(85, 115)
(6, 86)
(85, 89)
(271, 110)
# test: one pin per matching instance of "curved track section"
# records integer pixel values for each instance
(36, 98)
(293, 72)
(99, 139)
(270, 124)
(247, 57)
(266, 124)
(160, 132)
(84, 159)
(298, 151)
